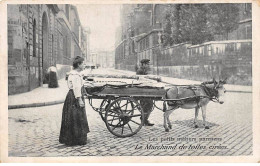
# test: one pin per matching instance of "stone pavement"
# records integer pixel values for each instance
(40, 95)
(34, 132)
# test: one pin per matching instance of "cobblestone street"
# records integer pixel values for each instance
(35, 132)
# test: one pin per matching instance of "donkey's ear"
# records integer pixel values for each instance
(214, 81)
(224, 81)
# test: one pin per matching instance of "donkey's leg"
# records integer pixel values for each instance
(166, 117)
(196, 116)
(204, 109)
(167, 120)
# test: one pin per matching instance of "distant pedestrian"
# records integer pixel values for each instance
(74, 125)
(144, 68)
(53, 79)
(146, 104)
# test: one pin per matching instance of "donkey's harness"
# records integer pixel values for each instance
(211, 93)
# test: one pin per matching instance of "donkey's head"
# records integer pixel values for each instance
(219, 90)
(215, 90)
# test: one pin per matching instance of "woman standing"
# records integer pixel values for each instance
(74, 124)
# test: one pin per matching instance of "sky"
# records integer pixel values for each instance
(102, 21)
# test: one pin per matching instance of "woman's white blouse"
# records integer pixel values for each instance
(75, 82)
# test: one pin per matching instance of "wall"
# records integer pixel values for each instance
(39, 36)
(218, 59)
(26, 63)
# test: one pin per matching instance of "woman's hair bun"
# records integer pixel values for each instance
(77, 59)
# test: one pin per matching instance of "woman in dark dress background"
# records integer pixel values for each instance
(74, 124)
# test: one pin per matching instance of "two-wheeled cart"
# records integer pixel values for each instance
(120, 108)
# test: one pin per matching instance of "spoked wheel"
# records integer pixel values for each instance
(103, 106)
(124, 117)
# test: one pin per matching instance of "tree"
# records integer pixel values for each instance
(176, 24)
(198, 23)
(222, 18)
(193, 23)
(167, 39)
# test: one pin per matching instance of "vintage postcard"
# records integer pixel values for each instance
(129, 81)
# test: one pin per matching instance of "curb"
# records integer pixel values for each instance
(236, 91)
(35, 104)
(232, 91)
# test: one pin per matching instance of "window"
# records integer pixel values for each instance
(142, 43)
(52, 47)
(249, 32)
(133, 46)
(209, 50)
(67, 12)
(248, 7)
(147, 43)
(65, 47)
(34, 38)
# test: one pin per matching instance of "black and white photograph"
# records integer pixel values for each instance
(130, 80)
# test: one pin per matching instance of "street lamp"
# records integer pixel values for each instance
(160, 45)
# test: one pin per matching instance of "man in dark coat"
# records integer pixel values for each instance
(146, 104)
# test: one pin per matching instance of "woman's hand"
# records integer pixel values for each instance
(81, 103)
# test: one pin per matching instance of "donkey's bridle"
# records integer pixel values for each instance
(212, 93)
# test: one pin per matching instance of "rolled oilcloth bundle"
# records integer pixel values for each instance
(156, 78)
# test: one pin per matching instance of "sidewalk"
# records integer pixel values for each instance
(41, 96)
(44, 96)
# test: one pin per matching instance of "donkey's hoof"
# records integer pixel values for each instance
(196, 126)
(207, 127)
(170, 127)
(167, 130)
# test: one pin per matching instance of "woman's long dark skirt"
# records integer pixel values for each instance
(74, 124)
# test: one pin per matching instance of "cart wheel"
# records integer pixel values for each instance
(124, 117)
(103, 106)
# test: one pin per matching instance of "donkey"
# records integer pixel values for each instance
(194, 96)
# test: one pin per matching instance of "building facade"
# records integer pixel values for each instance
(85, 33)
(93, 58)
(142, 39)
(103, 59)
(40, 36)
(106, 59)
